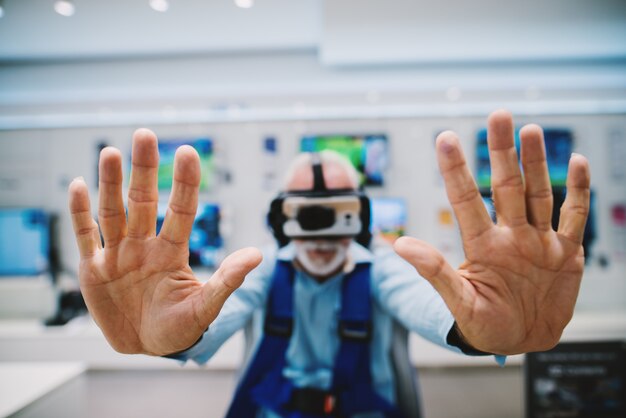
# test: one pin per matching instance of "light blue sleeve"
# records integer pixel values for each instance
(410, 298)
(236, 312)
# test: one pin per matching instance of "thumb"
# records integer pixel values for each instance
(431, 265)
(228, 277)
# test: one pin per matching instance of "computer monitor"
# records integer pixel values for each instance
(389, 215)
(368, 153)
(205, 242)
(167, 149)
(559, 143)
(24, 241)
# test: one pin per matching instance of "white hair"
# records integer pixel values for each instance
(327, 157)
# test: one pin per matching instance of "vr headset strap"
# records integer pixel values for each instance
(318, 176)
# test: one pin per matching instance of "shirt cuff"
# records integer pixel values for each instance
(454, 339)
(187, 353)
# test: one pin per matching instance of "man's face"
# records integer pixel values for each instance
(322, 258)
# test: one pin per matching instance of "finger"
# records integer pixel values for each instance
(539, 199)
(461, 188)
(183, 202)
(111, 213)
(506, 178)
(228, 277)
(576, 206)
(143, 194)
(432, 266)
(85, 228)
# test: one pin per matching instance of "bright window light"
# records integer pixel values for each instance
(64, 8)
(244, 4)
(1, 8)
(160, 5)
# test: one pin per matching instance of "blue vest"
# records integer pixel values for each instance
(264, 385)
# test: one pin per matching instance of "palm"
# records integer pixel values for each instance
(143, 307)
(516, 290)
(139, 288)
(505, 271)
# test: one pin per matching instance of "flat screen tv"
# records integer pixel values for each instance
(167, 149)
(368, 153)
(559, 145)
(558, 196)
(389, 216)
(205, 242)
(24, 241)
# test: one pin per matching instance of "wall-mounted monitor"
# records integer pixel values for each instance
(24, 241)
(205, 242)
(389, 215)
(368, 153)
(167, 149)
(559, 145)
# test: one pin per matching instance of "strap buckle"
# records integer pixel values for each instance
(278, 327)
(311, 401)
(329, 404)
(360, 331)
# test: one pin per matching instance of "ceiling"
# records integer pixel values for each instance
(32, 30)
(340, 32)
(116, 61)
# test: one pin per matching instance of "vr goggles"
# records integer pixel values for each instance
(320, 213)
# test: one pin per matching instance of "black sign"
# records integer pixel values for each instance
(577, 380)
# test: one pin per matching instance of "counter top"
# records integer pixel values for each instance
(81, 340)
(22, 383)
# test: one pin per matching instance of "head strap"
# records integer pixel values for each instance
(319, 184)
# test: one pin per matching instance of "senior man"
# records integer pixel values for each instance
(328, 302)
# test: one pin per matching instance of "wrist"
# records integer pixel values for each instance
(457, 339)
(178, 355)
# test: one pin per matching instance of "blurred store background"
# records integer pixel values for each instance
(250, 83)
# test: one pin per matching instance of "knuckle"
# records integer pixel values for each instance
(511, 181)
(578, 209)
(108, 213)
(138, 195)
(543, 193)
(464, 196)
(180, 209)
(82, 232)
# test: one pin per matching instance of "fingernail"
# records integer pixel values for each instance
(575, 154)
(445, 146)
(79, 178)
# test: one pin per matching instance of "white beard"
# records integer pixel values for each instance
(318, 266)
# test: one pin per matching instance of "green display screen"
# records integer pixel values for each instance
(167, 150)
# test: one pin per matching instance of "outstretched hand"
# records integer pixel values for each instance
(516, 290)
(139, 288)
